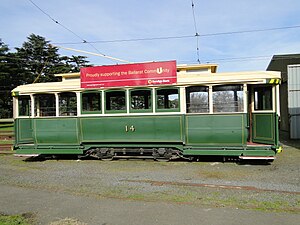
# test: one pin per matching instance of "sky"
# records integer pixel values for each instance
(103, 23)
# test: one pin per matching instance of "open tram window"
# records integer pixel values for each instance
(228, 98)
(167, 99)
(197, 99)
(67, 104)
(263, 98)
(24, 103)
(115, 101)
(44, 105)
(140, 100)
(91, 102)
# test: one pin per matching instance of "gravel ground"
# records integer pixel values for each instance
(267, 188)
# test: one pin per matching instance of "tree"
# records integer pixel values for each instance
(6, 69)
(36, 61)
(39, 61)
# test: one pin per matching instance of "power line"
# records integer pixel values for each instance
(129, 40)
(66, 28)
(196, 31)
(91, 53)
(182, 36)
(251, 31)
(55, 21)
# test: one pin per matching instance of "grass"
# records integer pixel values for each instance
(6, 142)
(7, 127)
(29, 219)
(67, 221)
(24, 219)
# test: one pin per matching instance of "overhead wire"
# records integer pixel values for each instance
(197, 35)
(182, 36)
(196, 31)
(92, 53)
(82, 39)
(129, 40)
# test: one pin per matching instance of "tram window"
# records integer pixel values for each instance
(168, 99)
(140, 99)
(115, 101)
(228, 98)
(263, 98)
(67, 104)
(44, 105)
(91, 102)
(24, 103)
(197, 99)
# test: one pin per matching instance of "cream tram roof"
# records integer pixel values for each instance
(186, 75)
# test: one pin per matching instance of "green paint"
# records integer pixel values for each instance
(264, 128)
(24, 131)
(132, 129)
(215, 134)
(56, 131)
(216, 129)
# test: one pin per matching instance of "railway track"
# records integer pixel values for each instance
(5, 148)
(6, 136)
(232, 187)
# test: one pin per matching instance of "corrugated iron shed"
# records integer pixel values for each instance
(288, 123)
(294, 100)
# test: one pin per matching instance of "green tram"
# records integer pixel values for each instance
(204, 113)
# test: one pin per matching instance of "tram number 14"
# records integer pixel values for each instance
(129, 128)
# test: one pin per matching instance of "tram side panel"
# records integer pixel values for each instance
(132, 129)
(23, 131)
(47, 136)
(216, 130)
(56, 131)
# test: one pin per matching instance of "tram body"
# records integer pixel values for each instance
(204, 113)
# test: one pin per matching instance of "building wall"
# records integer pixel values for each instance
(294, 100)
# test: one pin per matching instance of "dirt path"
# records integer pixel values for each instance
(147, 192)
(51, 205)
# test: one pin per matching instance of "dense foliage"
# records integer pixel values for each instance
(36, 61)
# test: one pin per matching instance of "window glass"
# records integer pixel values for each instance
(24, 104)
(44, 105)
(115, 100)
(197, 99)
(228, 98)
(91, 102)
(167, 98)
(140, 99)
(263, 98)
(67, 104)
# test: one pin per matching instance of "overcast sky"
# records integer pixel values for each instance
(108, 20)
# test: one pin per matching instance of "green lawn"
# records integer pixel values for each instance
(15, 220)
(6, 128)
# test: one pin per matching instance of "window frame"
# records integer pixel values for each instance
(29, 104)
(208, 98)
(167, 109)
(242, 105)
(36, 109)
(141, 110)
(88, 111)
(273, 98)
(110, 111)
(59, 104)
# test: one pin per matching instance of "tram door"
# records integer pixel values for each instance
(263, 116)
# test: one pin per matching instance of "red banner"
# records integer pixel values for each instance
(139, 74)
